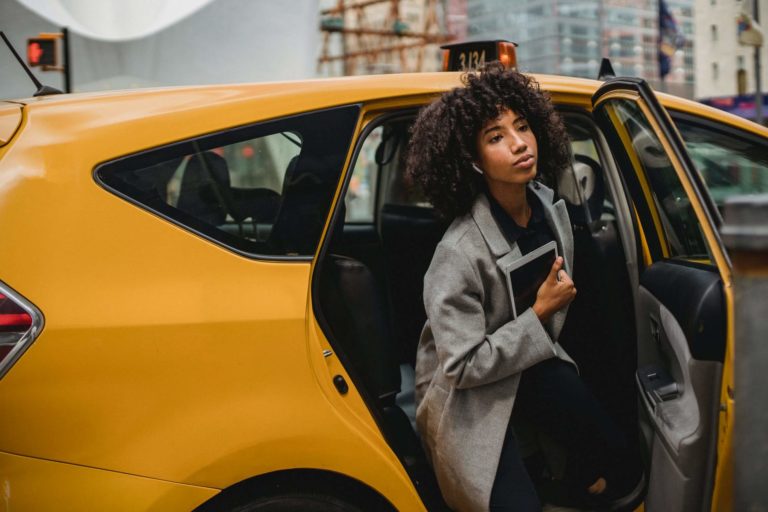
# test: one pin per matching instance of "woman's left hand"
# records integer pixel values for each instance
(556, 292)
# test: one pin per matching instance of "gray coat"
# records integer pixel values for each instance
(471, 354)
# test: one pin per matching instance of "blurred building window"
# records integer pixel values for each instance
(741, 81)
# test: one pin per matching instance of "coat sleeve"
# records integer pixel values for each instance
(467, 354)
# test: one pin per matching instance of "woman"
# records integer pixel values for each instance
(484, 155)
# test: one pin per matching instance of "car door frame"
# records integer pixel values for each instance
(653, 244)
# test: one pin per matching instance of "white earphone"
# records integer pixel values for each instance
(476, 168)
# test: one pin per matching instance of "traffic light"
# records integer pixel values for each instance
(41, 51)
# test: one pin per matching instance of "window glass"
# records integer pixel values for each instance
(381, 164)
(397, 186)
(361, 195)
(582, 185)
(264, 189)
(729, 164)
(676, 215)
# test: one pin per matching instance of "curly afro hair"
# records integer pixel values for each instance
(443, 141)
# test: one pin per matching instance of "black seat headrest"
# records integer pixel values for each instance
(205, 181)
(583, 190)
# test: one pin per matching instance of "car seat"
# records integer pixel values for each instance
(205, 188)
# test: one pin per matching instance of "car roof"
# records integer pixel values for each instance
(272, 99)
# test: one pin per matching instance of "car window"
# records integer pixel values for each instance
(397, 188)
(361, 195)
(582, 185)
(379, 171)
(261, 190)
(379, 176)
(731, 162)
(676, 215)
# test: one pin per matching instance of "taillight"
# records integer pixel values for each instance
(20, 323)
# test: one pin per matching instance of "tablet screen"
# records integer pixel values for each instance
(526, 279)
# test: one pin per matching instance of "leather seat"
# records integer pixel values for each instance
(409, 236)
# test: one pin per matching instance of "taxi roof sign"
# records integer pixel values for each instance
(472, 55)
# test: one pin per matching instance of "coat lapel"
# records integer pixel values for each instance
(497, 243)
(558, 220)
(556, 215)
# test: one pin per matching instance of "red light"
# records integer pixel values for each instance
(18, 320)
(12, 317)
(41, 51)
(34, 52)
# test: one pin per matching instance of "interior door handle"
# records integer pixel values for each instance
(655, 331)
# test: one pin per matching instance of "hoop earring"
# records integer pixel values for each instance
(476, 168)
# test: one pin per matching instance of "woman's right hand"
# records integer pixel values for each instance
(556, 292)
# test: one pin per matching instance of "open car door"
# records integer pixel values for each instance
(683, 304)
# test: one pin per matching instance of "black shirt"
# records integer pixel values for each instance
(534, 235)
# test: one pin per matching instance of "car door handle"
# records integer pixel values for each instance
(655, 331)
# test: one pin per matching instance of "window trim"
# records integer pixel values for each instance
(639, 91)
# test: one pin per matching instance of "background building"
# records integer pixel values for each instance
(682, 75)
(570, 38)
(724, 68)
(383, 36)
(223, 41)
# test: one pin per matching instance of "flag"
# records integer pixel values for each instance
(750, 33)
(670, 38)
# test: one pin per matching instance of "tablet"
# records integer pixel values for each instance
(526, 273)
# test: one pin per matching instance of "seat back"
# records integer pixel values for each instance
(409, 235)
(357, 313)
(257, 204)
(203, 188)
(583, 190)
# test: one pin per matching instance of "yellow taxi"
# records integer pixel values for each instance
(211, 296)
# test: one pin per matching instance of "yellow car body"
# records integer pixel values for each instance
(169, 368)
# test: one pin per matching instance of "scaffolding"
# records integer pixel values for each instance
(373, 36)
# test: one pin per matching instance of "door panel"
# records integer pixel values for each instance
(702, 320)
(679, 400)
(680, 303)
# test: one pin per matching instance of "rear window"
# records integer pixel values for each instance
(260, 190)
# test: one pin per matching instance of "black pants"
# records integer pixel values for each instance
(554, 399)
